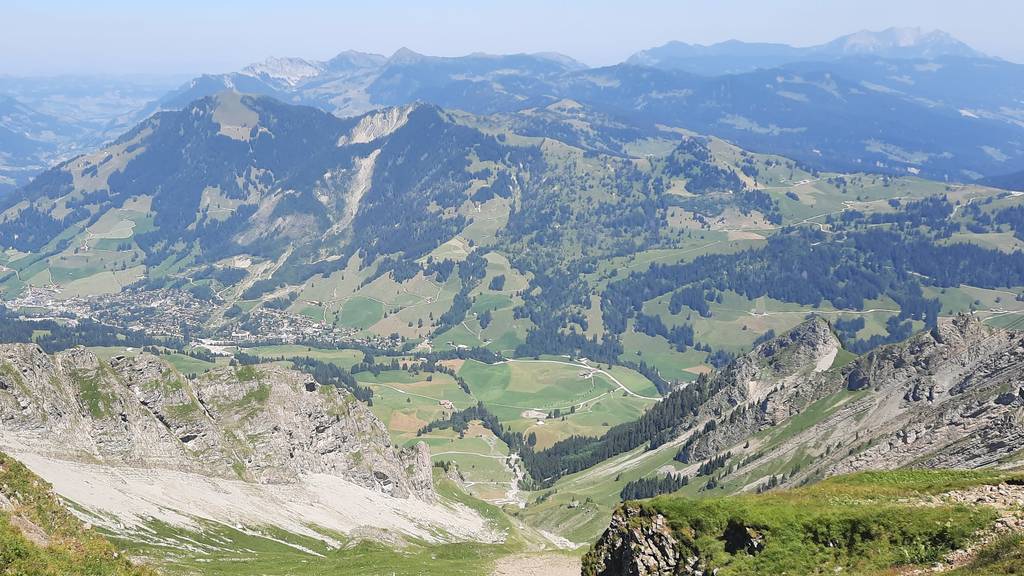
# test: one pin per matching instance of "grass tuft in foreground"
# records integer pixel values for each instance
(1003, 556)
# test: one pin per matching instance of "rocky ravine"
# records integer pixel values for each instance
(133, 439)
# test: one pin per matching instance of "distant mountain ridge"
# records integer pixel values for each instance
(898, 101)
(353, 82)
(886, 101)
(234, 170)
(48, 119)
(900, 43)
(735, 56)
(28, 139)
(1013, 181)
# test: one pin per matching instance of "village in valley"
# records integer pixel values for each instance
(177, 314)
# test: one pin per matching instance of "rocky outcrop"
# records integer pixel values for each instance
(950, 397)
(263, 424)
(814, 529)
(768, 385)
(638, 542)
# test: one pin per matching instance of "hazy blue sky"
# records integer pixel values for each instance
(116, 36)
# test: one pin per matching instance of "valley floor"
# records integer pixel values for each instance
(537, 565)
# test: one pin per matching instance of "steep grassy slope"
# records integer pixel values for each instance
(38, 536)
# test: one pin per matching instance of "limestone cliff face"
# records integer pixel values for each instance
(949, 397)
(768, 385)
(264, 424)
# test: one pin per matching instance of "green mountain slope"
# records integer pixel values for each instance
(39, 536)
(414, 230)
(416, 223)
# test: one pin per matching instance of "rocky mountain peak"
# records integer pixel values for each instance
(766, 386)
(962, 327)
(962, 339)
(568, 62)
(911, 403)
(900, 43)
(291, 71)
(404, 57)
(807, 343)
(809, 347)
(353, 59)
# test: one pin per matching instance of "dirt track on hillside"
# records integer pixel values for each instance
(537, 565)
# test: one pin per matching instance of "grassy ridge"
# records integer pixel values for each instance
(865, 523)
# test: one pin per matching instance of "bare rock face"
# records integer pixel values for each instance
(781, 362)
(417, 462)
(950, 397)
(739, 538)
(766, 386)
(262, 424)
(638, 542)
